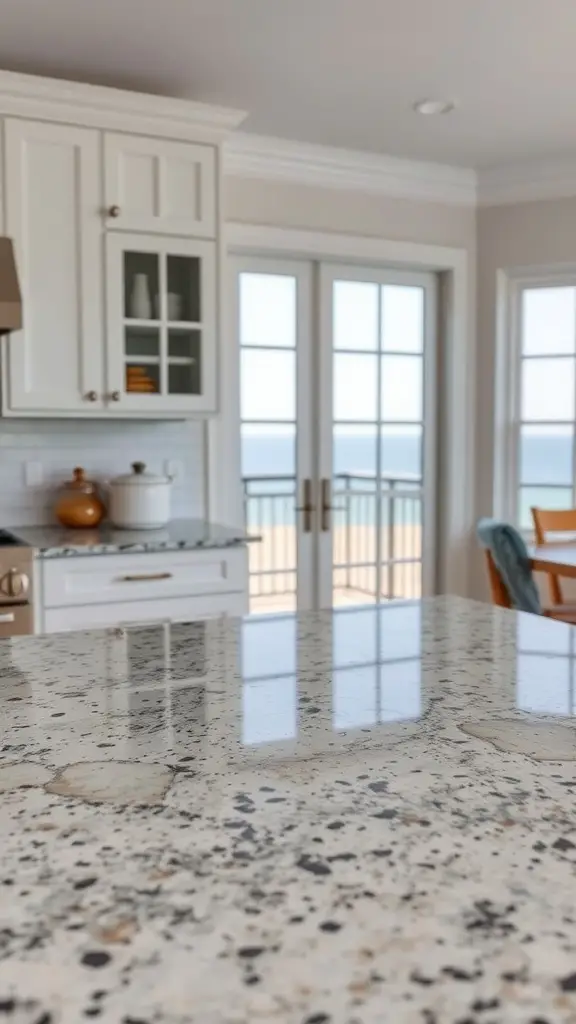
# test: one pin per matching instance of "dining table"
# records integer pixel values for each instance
(556, 558)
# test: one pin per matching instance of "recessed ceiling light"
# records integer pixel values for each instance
(432, 107)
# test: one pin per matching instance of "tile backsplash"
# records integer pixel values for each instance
(104, 449)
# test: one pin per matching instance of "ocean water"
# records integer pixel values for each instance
(546, 461)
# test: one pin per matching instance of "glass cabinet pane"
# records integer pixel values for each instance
(164, 356)
(183, 343)
(183, 299)
(142, 341)
(184, 361)
(141, 285)
(184, 380)
(142, 350)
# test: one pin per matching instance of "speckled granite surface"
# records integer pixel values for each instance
(179, 535)
(348, 818)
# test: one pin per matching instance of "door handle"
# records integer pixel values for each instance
(307, 506)
(327, 508)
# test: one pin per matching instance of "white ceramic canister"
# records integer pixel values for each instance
(140, 500)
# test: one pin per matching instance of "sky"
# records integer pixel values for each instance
(370, 325)
(368, 320)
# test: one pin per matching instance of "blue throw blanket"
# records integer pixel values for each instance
(512, 560)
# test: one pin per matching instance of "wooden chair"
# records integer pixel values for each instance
(500, 596)
(553, 521)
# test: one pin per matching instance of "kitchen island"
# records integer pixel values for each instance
(353, 817)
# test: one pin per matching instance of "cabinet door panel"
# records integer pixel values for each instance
(162, 313)
(53, 214)
(159, 185)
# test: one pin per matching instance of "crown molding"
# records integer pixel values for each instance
(264, 157)
(527, 182)
(121, 109)
(274, 159)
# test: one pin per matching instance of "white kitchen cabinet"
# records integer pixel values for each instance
(161, 324)
(96, 591)
(156, 185)
(52, 202)
(102, 186)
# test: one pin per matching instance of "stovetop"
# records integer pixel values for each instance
(8, 540)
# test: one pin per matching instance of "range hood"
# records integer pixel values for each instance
(10, 297)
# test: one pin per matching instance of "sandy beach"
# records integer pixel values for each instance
(354, 562)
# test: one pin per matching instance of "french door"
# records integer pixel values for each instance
(337, 410)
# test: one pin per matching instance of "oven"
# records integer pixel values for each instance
(16, 587)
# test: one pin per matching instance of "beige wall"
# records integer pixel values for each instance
(519, 235)
(250, 201)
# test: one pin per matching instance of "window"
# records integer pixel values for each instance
(541, 465)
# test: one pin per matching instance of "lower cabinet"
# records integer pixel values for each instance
(100, 591)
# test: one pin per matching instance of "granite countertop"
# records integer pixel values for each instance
(358, 817)
(178, 535)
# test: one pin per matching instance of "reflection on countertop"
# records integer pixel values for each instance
(178, 535)
(293, 818)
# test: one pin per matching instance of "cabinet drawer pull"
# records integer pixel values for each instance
(113, 211)
(7, 617)
(146, 577)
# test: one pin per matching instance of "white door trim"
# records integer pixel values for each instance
(327, 246)
(456, 372)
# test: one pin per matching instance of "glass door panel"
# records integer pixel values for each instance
(273, 300)
(376, 434)
(337, 433)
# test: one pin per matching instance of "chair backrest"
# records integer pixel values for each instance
(509, 566)
(548, 521)
(553, 521)
(498, 592)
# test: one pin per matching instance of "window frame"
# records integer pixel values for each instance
(511, 285)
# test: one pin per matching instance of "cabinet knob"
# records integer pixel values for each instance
(91, 396)
(115, 396)
(113, 211)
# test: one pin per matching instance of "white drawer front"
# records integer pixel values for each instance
(103, 579)
(128, 613)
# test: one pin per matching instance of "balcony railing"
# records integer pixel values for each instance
(377, 538)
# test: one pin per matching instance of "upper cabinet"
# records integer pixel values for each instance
(114, 203)
(52, 199)
(161, 299)
(155, 185)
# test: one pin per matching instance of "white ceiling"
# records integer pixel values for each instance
(337, 72)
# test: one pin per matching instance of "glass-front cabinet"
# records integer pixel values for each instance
(161, 324)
